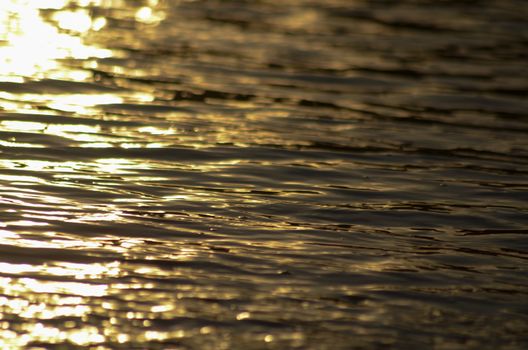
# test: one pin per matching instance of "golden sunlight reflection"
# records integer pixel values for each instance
(24, 32)
(62, 306)
(39, 40)
(147, 15)
(20, 144)
(67, 170)
(79, 103)
(79, 21)
(86, 135)
(63, 302)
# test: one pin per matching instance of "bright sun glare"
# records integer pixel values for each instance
(30, 45)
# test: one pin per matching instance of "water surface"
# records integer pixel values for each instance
(302, 174)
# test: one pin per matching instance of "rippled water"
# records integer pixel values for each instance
(302, 174)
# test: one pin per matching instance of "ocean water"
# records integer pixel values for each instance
(302, 174)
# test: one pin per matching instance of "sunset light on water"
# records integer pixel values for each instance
(229, 174)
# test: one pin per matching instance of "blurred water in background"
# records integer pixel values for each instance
(310, 174)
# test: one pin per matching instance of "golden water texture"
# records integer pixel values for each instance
(317, 174)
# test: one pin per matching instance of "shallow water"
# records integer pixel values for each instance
(308, 174)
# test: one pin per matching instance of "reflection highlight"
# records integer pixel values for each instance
(25, 33)
(59, 305)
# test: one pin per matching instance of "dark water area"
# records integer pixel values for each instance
(302, 174)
